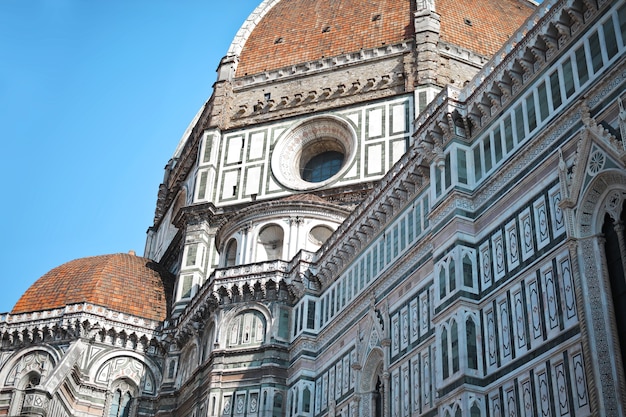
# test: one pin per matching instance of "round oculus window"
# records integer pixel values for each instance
(314, 153)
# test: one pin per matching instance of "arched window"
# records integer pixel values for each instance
(277, 410)
(454, 336)
(270, 243)
(247, 329)
(468, 279)
(458, 412)
(231, 253)
(452, 275)
(120, 404)
(445, 369)
(442, 283)
(306, 400)
(475, 410)
(472, 352)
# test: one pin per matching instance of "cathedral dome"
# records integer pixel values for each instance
(282, 33)
(121, 282)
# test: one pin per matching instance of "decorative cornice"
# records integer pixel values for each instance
(84, 320)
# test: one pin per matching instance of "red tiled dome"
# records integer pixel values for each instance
(296, 31)
(122, 282)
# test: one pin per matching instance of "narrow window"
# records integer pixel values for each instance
(478, 174)
(487, 151)
(452, 275)
(192, 251)
(120, 404)
(519, 123)
(542, 95)
(454, 336)
(418, 219)
(295, 327)
(497, 143)
(621, 15)
(375, 259)
(508, 134)
(472, 352)
(445, 367)
(202, 185)
(609, 38)
(310, 318)
(421, 101)
(395, 241)
(581, 65)
(555, 90)
(596, 52)
(115, 404)
(461, 162)
(425, 213)
(278, 406)
(530, 113)
(468, 279)
(568, 78)
(442, 284)
(306, 400)
(207, 149)
(448, 172)
(187, 286)
(475, 411)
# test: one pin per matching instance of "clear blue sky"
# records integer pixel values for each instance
(94, 97)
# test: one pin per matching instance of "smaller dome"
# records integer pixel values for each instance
(121, 282)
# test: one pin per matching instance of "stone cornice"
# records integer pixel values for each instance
(323, 65)
(84, 320)
(528, 52)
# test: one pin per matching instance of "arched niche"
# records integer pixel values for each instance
(600, 207)
(270, 243)
(230, 253)
(372, 385)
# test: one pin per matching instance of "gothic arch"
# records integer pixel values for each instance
(10, 364)
(605, 194)
(373, 384)
(189, 359)
(222, 327)
(146, 379)
(596, 201)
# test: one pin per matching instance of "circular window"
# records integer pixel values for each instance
(314, 153)
(322, 167)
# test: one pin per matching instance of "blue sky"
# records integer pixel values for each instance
(94, 97)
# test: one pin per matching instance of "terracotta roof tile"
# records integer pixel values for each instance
(482, 26)
(309, 30)
(122, 282)
(297, 31)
